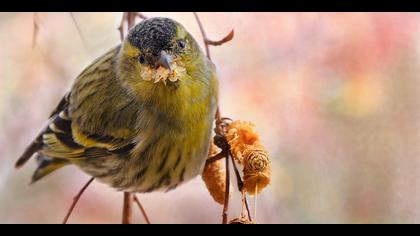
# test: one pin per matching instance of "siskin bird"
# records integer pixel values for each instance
(139, 118)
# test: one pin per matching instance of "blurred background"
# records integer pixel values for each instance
(334, 96)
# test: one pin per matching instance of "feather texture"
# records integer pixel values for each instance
(128, 131)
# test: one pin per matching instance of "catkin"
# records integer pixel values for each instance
(214, 176)
(248, 151)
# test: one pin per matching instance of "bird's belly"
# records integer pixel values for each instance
(163, 166)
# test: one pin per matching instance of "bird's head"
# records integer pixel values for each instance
(157, 49)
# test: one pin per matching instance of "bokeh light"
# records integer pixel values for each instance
(334, 97)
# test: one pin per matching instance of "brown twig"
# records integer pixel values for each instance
(208, 41)
(241, 188)
(217, 157)
(227, 193)
(221, 124)
(76, 200)
(130, 19)
(143, 212)
(127, 215)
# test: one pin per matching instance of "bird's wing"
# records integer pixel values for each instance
(60, 139)
(68, 136)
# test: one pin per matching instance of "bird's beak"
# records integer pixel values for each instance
(165, 60)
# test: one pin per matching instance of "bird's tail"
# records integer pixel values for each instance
(35, 146)
(47, 165)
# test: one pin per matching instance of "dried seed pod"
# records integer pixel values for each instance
(248, 151)
(242, 220)
(257, 169)
(256, 158)
(240, 136)
(214, 176)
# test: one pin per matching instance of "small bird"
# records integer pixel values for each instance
(140, 117)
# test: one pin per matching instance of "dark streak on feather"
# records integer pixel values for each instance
(177, 161)
(125, 150)
(164, 158)
(62, 124)
(67, 139)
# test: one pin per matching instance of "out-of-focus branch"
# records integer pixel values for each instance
(76, 200)
(127, 215)
(79, 31)
(208, 41)
(143, 212)
(36, 25)
(129, 20)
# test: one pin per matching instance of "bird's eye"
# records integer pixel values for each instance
(182, 44)
(142, 60)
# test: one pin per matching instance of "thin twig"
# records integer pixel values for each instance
(215, 158)
(79, 30)
(208, 41)
(121, 26)
(226, 39)
(140, 15)
(220, 122)
(241, 187)
(130, 19)
(238, 175)
(203, 33)
(146, 217)
(76, 200)
(218, 116)
(227, 193)
(127, 214)
(35, 30)
(255, 201)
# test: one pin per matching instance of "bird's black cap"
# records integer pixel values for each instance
(153, 35)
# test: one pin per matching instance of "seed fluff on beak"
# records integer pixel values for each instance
(155, 39)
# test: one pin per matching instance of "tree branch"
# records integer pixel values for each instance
(79, 31)
(127, 215)
(129, 18)
(208, 41)
(76, 200)
(217, 157)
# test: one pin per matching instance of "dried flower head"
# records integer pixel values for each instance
(214, 176)
(248, 151)
(240, 135)
(257, 169)
(242, 220)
